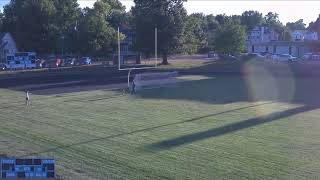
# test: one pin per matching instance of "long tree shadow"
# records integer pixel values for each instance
(141, 130)
(287, 83)
(230, 128)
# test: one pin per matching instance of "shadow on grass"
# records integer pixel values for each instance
(229, 84)
(230, 128)
(141, 130)
(66, 81)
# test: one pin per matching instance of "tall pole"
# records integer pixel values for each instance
(156, 44)
(119, 59)
(62, 45)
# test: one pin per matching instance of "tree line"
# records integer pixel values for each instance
(61, 26)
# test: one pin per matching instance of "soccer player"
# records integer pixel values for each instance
(27, 98)
(133, 90)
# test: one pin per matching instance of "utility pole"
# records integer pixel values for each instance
(62, 37)
(156, 44)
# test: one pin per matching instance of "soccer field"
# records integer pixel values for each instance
(215, 127)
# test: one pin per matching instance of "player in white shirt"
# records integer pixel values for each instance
(27, 98)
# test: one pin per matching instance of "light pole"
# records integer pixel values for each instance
(62, 37)
(156, 44)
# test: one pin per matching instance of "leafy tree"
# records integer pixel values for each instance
(315, 26)
(65, 23)
(272, 21)
(1, 20)
(194, 36)
(31, 23)
(212, 26)
(287, 35)
(236, 19)
(230, 38)
(272, 18)
(168, 16)
(222, 18)
(96, 34)
(298, 25)
(117, 16)
(251, 19)
(38, 25)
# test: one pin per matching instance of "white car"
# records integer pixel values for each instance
(257, 56)
(284, 57)
(3, 67)
(274, 56)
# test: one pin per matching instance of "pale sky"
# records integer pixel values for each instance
(289, 11)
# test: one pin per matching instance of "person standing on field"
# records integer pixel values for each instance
(133, 90)
(27, 98)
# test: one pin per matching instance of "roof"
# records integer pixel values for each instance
(287, 43)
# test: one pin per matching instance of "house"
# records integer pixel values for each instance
(304, 35)
(262, 34)
(312, 36)
(294, 48)
(262, 39)
(7, 46)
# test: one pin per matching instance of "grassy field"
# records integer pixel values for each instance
(214, 127)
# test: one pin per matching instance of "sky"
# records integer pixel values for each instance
(289, 11)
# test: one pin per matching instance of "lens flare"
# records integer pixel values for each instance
(268, 81)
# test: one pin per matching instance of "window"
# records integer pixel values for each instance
(10, 58)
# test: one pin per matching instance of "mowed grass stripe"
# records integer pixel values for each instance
(96, 137)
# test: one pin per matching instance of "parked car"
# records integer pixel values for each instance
(52, 62)
(3, 67)
(284, 57)
(212, 54)
(69, 62)
(84, 61)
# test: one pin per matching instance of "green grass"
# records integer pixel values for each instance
(208, 128)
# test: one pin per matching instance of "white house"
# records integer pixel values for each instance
(262, 39)
(262, 34)
(301, 35)
(295, 48)
(298, 35)
(7, 46)
(312, 36)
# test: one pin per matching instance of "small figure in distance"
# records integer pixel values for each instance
(27, 98)
(133, 90)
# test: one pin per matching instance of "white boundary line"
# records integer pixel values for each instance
(136, 68)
